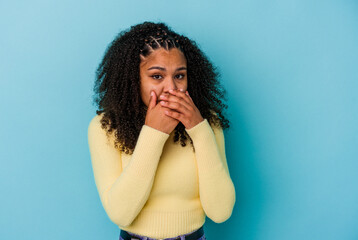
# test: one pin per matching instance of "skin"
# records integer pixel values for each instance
(164, 73)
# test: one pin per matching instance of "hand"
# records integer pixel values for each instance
(156, 118)
(181, 106)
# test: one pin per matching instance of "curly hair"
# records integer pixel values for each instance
(117, 83)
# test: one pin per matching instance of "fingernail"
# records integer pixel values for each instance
(171, 90)
(151, 93)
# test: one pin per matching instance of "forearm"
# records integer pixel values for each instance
(217, 191)
(124, 192)
(128, 194)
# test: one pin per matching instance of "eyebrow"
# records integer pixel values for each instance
(163, 69)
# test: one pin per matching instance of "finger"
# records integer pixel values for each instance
(177, 106)
(187, 93)
(180, 93)
(182, 98)
(152, 100)
(175, 115)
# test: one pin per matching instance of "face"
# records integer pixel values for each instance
(161, 71)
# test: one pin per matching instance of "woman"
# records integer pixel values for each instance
(156, 89)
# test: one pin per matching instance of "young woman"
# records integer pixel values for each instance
(155, 89)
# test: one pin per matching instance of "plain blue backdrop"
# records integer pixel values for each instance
(290, 70)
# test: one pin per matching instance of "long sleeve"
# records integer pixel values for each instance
(124, 192)
(217, 191)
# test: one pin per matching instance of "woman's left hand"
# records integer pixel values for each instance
(181, 107)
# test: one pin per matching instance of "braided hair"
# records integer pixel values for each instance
(117, 83)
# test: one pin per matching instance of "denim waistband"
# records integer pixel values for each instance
(200, 236)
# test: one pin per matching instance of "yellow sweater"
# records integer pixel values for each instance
(163, 189)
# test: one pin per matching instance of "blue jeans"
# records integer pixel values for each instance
(182, 237)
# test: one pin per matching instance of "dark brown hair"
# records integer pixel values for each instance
(117, 83)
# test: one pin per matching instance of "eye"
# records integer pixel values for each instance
(179, 76)
(157, 76)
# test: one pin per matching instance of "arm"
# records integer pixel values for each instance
(217, 191)
(123, 192)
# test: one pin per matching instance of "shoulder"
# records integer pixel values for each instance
(215, 125)
(217, 129)
(95, 122)
(95, 128)
(97, 133)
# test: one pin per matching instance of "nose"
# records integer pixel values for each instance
(169, 84)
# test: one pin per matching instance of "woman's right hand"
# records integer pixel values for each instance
(156, 118)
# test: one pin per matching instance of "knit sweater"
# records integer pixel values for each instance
(163, 189)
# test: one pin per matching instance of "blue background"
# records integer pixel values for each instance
(290, 69)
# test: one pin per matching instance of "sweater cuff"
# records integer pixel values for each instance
(154, 131)
(150, 139)
(199, 129)
(149, 146)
